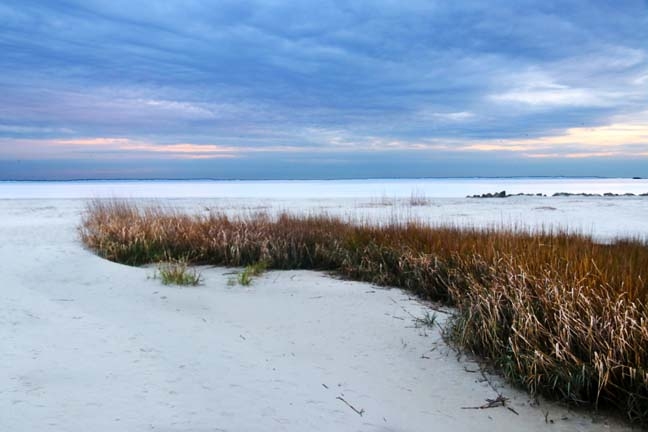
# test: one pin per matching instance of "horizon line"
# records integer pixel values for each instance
(188, 179)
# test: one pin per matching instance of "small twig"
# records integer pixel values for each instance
(512, 410)
(438, 309)
(490, 383)
(359, 412)
(491, 403)
(404, 310)
(325, 386)
(547, 419)
(431, 305)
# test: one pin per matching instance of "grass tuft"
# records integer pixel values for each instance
(178, 273)
(250, 271)
(427, 320)
(557, 313)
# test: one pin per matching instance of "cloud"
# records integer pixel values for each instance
(460, 116)
(620, 139)
(112, 148)
(550, 97)
(16, 129)
(279, 76)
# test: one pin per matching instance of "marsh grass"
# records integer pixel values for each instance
(557, 313)
(417, 198)
(249, 272)
(178, 272)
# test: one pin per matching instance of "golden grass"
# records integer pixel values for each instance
(558, 313)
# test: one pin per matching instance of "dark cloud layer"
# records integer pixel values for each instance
(364, 84)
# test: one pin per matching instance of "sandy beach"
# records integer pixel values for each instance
(236, 216)
(94, 345)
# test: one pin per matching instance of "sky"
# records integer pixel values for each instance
(322, 89)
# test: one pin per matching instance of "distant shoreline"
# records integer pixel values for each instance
(418, 189)
(312, 179)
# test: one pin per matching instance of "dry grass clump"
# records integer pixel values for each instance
(558, 313)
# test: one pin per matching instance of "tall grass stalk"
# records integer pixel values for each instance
(558, 313)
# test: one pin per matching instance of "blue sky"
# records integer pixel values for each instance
(327, 89)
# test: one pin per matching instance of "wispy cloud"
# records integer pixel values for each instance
(114, 148)
(552, 96)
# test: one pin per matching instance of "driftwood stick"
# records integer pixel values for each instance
(491, 403)
(359, 412)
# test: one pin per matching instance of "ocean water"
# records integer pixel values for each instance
(314, 189)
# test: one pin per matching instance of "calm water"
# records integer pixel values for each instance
(300, 189)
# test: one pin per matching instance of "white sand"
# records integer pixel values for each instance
(90, 345)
